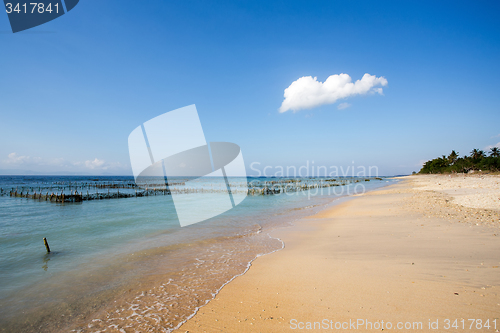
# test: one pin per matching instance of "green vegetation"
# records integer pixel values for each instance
(477, 161)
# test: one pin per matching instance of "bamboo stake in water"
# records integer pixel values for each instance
(46, 244)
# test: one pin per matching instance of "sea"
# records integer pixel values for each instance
(120, 264)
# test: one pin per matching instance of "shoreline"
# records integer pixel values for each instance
(385, 262)
(101, 319)
(138, 290)
(229, 281)
(249, 265)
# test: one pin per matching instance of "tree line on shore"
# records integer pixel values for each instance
(478, 160)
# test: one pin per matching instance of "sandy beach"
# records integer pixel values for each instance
(421, 255)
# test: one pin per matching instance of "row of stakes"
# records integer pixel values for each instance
(263, 188)
(263, 191)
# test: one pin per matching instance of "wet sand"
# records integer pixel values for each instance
(404, 254)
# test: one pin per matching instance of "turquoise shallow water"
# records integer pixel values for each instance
(98, 239)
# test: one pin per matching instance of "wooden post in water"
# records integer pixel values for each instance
(46, 244)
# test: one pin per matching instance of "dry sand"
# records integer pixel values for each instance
(403, 254)
(472, 191)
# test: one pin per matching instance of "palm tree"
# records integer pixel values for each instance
(452, 158)
(476, 154)
(494, 152)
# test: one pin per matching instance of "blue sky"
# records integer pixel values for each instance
(73, 89)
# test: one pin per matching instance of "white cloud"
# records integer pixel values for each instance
(95, 164)
(13, 158)
(60, 164)
(491, 146)
(343, 106)
(307, 92)
(495, 136)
